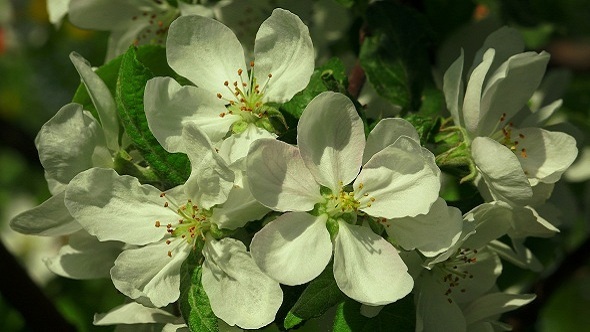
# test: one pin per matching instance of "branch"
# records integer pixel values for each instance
(24, 295)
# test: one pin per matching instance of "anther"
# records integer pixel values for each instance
(219, 95)
(166, 204)
(157, 223)
(523, 153)
(169, 253)
(251, 63)
(240, 71)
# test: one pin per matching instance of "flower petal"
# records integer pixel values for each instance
(501, 171)
(238, 291)
(331, 139)
(294, 248)
(385, 133)
(367, 268)
(50, 218)
(84, 257)
(71, 142)
(545, 155)
(284, 50)
(169, 106)
(134, 313)
(205, 51)
(432, 233)
(399, 181)
(236, 146)
(278, 177)
(505, 41)
(107, 15)
(434, 311)
(211, 179)
(101, 98)
(509, 89)
(494, 304)
(239, 208)
(453, 89)
(114, 207)
(471, 104)
(149, 272)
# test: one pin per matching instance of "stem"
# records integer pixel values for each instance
(24, 295)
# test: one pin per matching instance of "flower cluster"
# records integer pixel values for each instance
(271, 197)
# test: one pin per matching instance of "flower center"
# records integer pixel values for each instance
(455, 269)
(343, 203)
(246, 96)
(157, 19)
(507, 137)
(192, 224)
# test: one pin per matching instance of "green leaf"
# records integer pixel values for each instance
(320, 295)
(194, 303)
(172, 168)
(394, 55)
(398, 316)
(329, 77)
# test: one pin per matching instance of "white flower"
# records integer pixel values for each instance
(162, 228)
(228, 93)
(70, 142)
(399, 178)
(510, 158)
(131, 22)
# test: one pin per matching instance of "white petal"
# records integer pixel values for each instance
(284, 49)
(367, 268)
(398, 181)
(236, 146)
(205, 51)
(239, 208)
(102, 100)
(294, 248)
(501, 171)
(505, 41)
(509, 89)
(57, 10)
(169, 106)
(211, 179)
(471, 104)
(134, 313)
(238, 291)
(385, 133)
(71, 142)
(50, 218)
(84, 257)
(520, 256)
(331, 139)
(485, 269)
(278, 177)
(114, 207)
(107, 15)
(434, 311)
(491, 305)
(431, 233)
(453, 89)
(149, 272)
(545, 155)
(491, 221)
(527, 222)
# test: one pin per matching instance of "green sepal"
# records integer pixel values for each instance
(239, 127)
(124, 164)
(329, 77)
(333, 227)
(394, 55)
(426, 126)
(171, 168)
(219, 233)
(321, 294)
(273, 121)
(193, 302)
(397, 316)
(453, 153)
